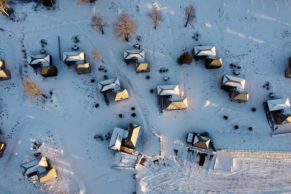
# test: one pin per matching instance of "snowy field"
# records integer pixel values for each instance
(255, 34)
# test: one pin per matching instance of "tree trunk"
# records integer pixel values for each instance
(187, 22)
(102, 30)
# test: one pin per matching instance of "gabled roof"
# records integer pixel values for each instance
(232, 81)
(51, 175)
(5, 74)
(214, 62)
(201, 142)
(77, 56)
(177, 104)
(142, 67)
(37, 166)
(239, 95)
(43, 162)
(168, 90)
(137, 54)
(125, 140)
(49, 71)
(84, 66)
(204, 51)
(278, 104)
(121, 95)
(43, 60)
(109, 84)
(117, 136)
(133, 134)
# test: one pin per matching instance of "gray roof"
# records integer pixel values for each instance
(76, 56)
(233, 81)
(137, 54)
(43, 60)
(109, 84)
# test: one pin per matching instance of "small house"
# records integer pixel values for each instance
(199, 141)
(112, 87)
(213, 63)
(288, 69)
(204, 51)
(2, 149)
(134, 56)
(39, 169)
(235, 87)
(78, 59)
(170, 98)
(44, 62)
(125, 140)
(142, 67)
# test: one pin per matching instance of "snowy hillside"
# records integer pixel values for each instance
(256, 35)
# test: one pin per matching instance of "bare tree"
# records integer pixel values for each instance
(190, 15)
(156, 16)
(97, 55)
(125, 26)
(32, 89)
(4, 8)
(99, 23)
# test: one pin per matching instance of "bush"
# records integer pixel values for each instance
(185, 58)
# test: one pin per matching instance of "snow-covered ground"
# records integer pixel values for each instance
(253, 34)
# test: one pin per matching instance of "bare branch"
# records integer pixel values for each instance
(155, 16)
(32, 89)
(190, 15)
(98, 23)
(125, 27)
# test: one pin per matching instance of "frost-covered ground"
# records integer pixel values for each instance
(254, 34)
